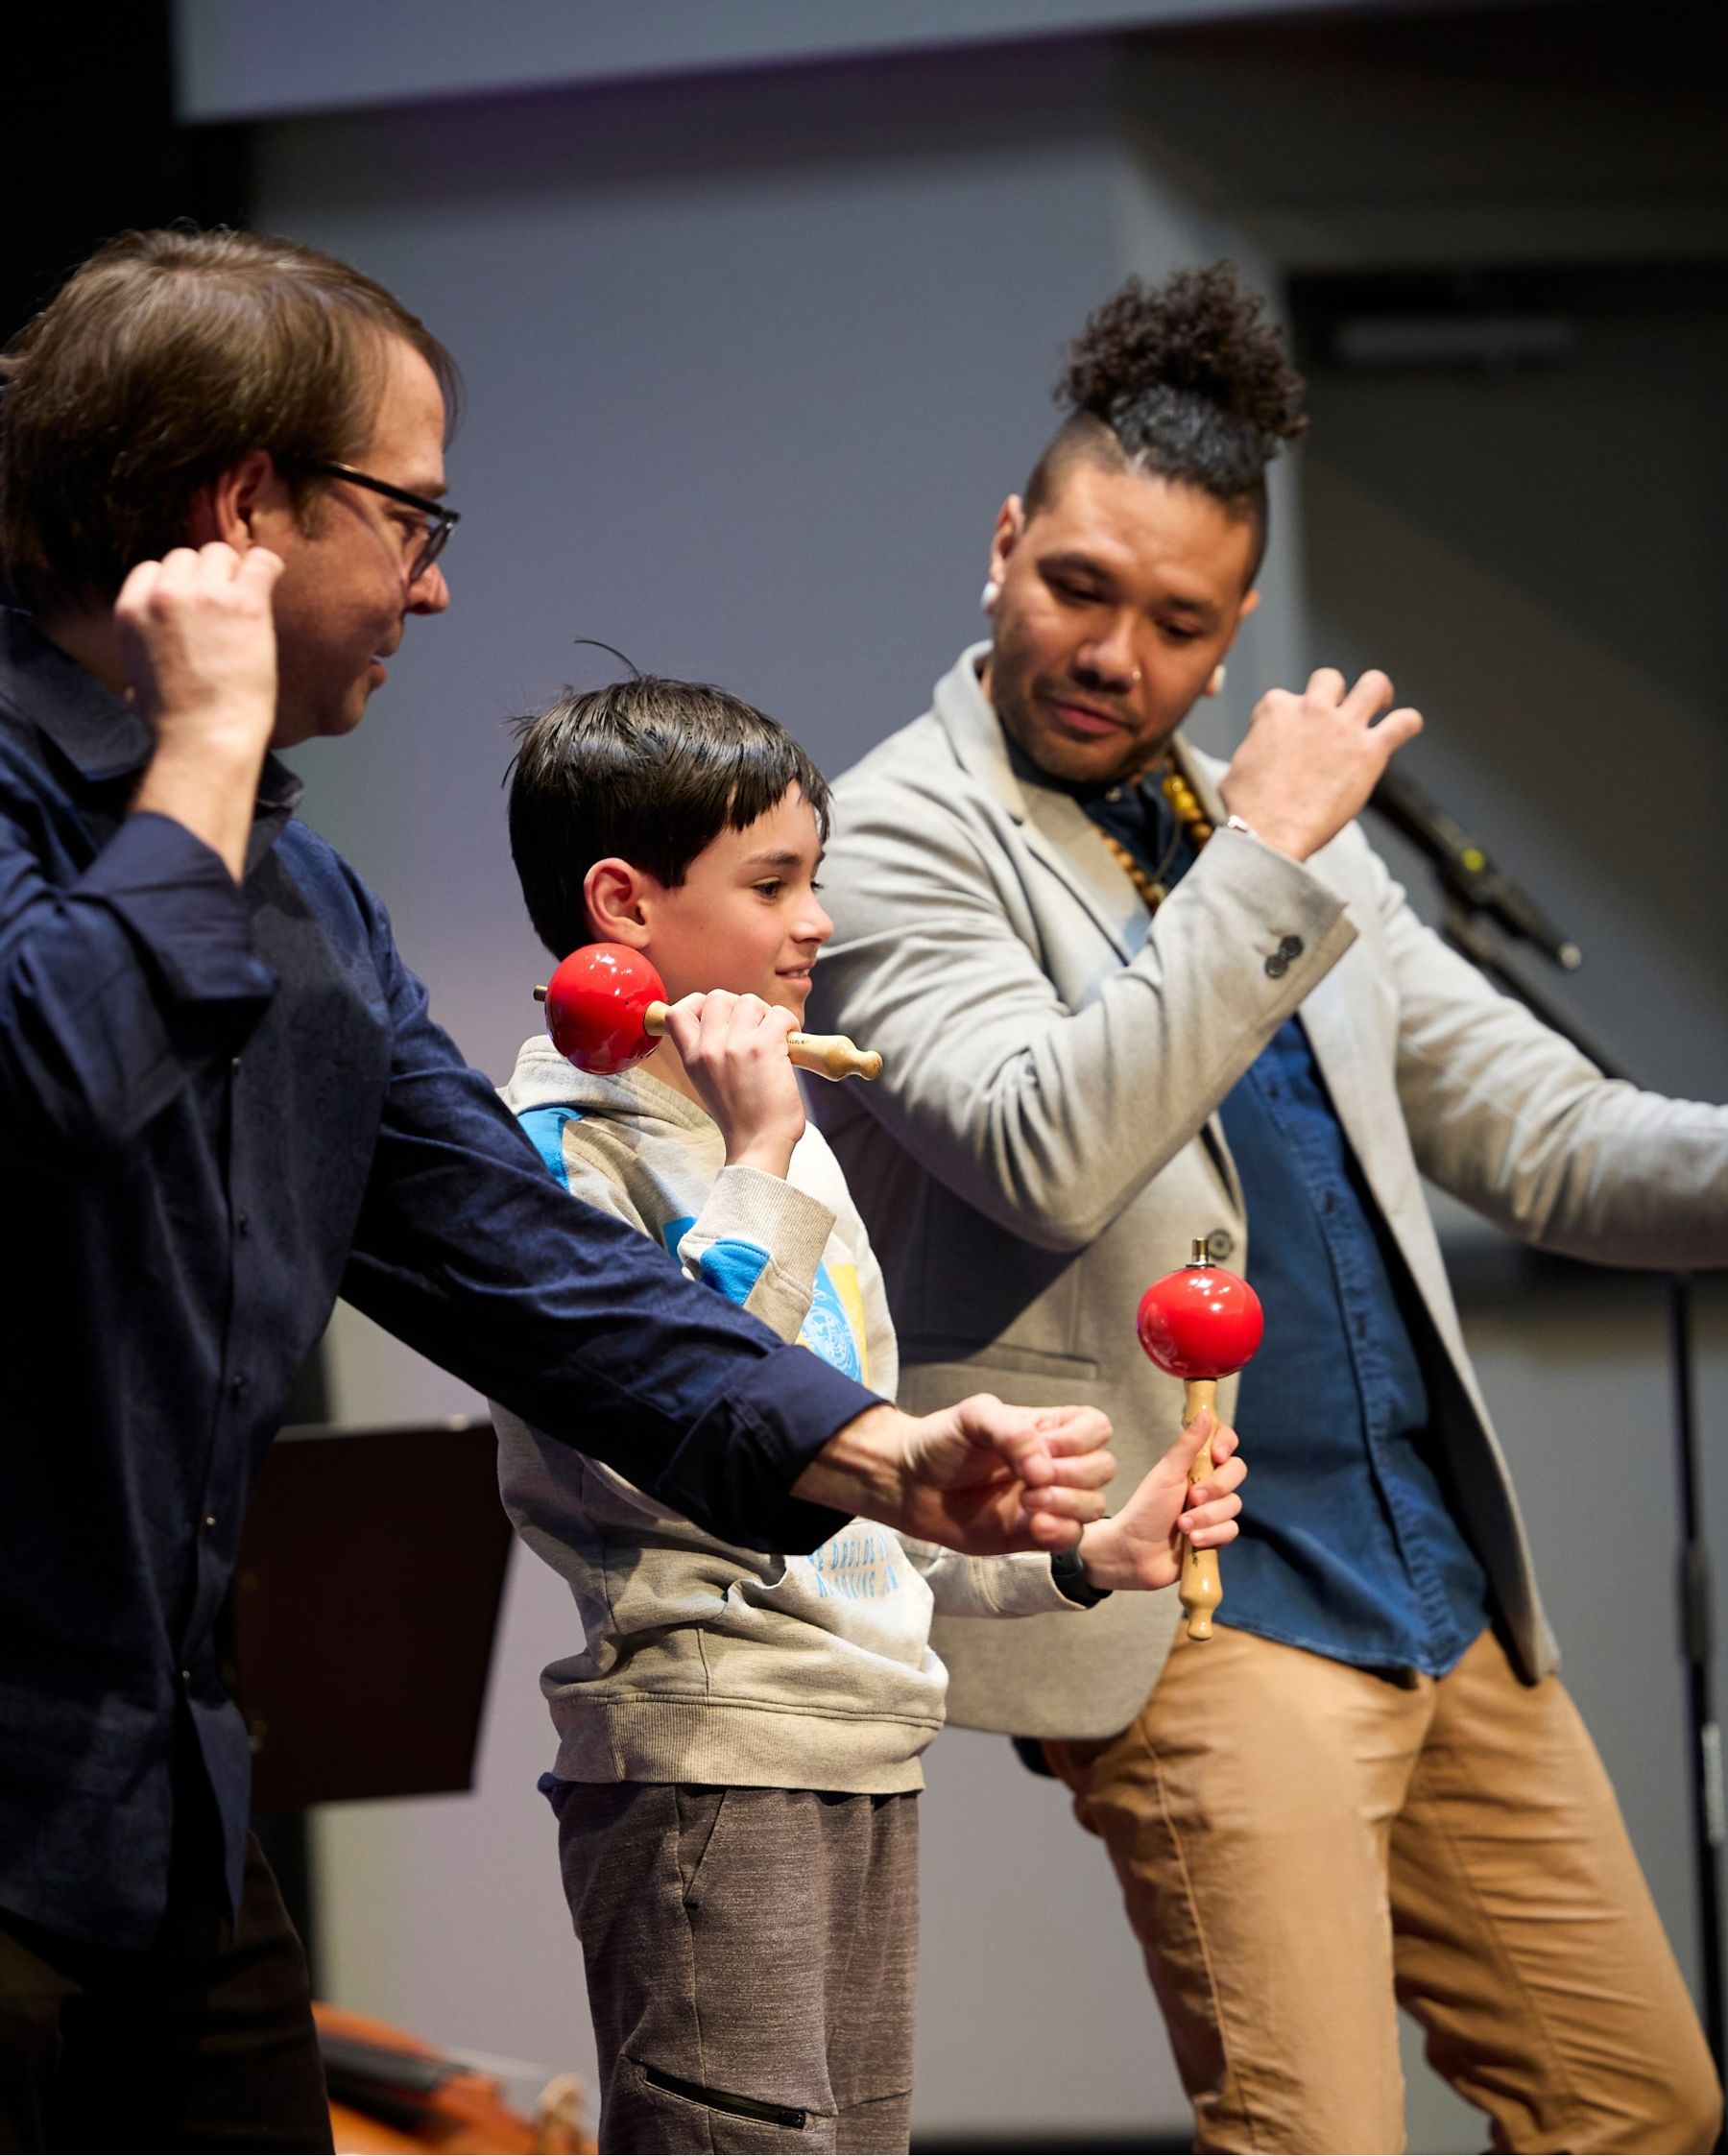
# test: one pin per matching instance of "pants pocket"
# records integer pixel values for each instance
(785, 2115)
(701, 1816)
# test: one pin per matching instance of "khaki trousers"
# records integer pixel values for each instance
(1299, 1843)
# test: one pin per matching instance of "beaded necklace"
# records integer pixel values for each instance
(1191, 817)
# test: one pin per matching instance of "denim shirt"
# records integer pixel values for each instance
(222, 1104)
(1350, 1544)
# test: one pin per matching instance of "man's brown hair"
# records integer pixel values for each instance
(161, 363)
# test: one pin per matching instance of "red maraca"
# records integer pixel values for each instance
(1200, 1324)
(606, 1010)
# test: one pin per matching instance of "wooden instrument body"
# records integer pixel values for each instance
(392, 2092)
(1200, 1589)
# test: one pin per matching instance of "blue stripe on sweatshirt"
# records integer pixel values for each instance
(545, 1127)
(733, 1266)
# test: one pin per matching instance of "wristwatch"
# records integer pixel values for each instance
(1068, 1569)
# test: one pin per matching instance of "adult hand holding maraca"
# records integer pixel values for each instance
(1200, 1324)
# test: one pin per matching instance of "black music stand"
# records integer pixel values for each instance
(364, 1608)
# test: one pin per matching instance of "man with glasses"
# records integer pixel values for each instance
(222, 1101)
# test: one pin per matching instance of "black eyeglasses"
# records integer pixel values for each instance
(441, 522)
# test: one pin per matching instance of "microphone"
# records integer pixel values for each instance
(1467, 872)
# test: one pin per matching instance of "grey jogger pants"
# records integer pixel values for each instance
(750, 1959)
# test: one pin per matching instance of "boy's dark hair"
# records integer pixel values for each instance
(1185, 381)
(651, 770)
(163, 360)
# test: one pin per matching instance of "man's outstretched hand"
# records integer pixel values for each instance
(982, 1477)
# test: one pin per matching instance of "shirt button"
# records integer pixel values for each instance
(209, 1521)
(242, 1225)
(1277, 967)
(235, 1066)
(1219, 1244)
(185, 1676)
(1290, 947)
(237, 1384)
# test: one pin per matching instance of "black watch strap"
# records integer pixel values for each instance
(1070, 1575)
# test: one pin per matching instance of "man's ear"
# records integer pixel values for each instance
(1251, 599)
(618, 895)
(238, 503)
(1010, 523)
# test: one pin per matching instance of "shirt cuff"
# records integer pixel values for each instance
(181, 905)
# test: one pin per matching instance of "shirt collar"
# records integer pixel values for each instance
(98, 733)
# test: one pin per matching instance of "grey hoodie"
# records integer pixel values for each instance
(703, 1662)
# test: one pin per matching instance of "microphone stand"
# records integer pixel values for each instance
(1464, 932)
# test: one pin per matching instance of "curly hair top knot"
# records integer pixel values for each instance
(1191, 380)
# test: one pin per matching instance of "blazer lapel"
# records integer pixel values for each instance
(1344, 1058)
(1335, 1020)
(1059, 832)
(1065, 838)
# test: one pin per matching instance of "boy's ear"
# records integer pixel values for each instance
(614, 891)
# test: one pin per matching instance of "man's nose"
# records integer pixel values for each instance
(1109, 657)
(429, 593)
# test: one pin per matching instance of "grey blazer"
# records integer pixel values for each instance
(1044, 1141)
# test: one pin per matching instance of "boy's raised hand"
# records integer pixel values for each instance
(1142, 1545)
(733, 1048)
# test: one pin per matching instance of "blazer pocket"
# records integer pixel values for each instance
(976, 1359)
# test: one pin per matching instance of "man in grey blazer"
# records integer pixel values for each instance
(1127, 998)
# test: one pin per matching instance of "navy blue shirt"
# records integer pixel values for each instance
(220, 1106)
(1350, 1546)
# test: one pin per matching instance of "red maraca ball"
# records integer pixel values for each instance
(595, 1003)
(1201, 1322)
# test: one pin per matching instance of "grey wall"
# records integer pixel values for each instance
(753, 363)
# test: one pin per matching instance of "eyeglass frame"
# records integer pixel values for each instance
(441, 522)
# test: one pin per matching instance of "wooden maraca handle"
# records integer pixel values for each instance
(829, 1055)
(1201, 1590)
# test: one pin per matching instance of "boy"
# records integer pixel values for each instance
(740, 1735)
